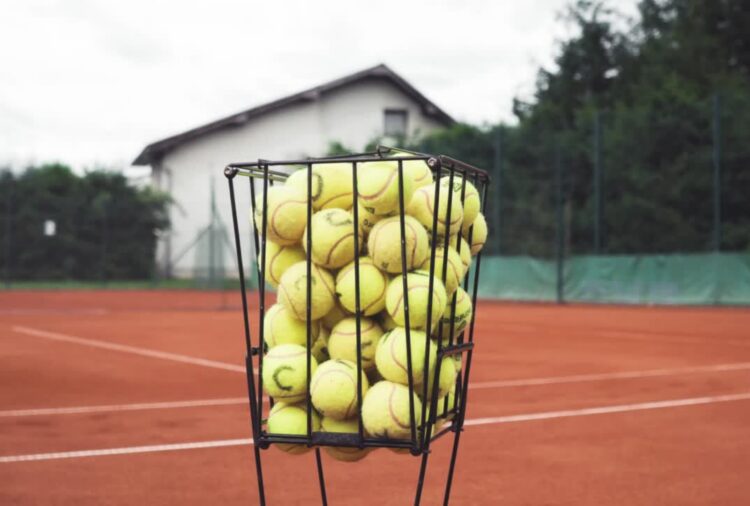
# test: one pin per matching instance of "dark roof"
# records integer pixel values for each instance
(155, 150)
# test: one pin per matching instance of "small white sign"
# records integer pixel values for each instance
(50, 228)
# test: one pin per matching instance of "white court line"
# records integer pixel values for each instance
(123, 407)
(610, 376)
(22, 311)
(667, 338)
(602, 410)
(134, 350)
(695, 401)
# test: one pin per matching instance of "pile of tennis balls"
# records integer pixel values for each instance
(333, 302)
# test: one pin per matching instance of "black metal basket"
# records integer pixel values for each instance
(422, 426)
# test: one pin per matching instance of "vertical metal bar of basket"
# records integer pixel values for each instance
(230, 173)
(427, 427)
(358, 315)
(405, 287)
(262, 292)
(459, 424)
(308, 323)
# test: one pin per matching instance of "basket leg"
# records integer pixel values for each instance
(420, 481)
(321, 478)
(451, 468)
(259, 473)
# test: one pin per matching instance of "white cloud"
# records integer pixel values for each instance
(93, 81)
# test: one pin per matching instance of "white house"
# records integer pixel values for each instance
(352, 110)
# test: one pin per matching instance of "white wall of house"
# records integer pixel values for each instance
(353, 115)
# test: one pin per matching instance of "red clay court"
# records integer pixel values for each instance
(125, 397)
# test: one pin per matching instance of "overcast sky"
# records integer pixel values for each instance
(93, 81)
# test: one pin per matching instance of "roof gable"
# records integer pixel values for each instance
(157, 149)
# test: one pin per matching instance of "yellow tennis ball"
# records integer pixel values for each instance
(286, 215)
(342, 343)
(343, 453)
(320, 346)
(418, 283)
(279, 259)
(386, 321)
(470, 203)
(422, 207)
(384, 244)
(285, 372)
(418, 170)
(367, 220)
(293, 291)
(372, 285)
(391, 356)
(333, 389)
(335, 315)
(378, 187)
(386, 411)
(291, 419)
(465, 254)
(455, 322)
(446, 379)
(281, 327)
(332, 238)
(478, 232)
(331, 185)
(454, 272)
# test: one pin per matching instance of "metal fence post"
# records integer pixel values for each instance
(597, 183)
(497, 200)
(717, 172)
(560, 225)
(8, 230)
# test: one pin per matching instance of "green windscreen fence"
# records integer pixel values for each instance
(712, 278)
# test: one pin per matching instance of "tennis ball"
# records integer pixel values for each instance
(331, 185)
(418, 170)
(458, 362)
(384, 244)
(386, 411)
(470, 203)
(293, 291)
(342, 343)
(343, 453)
(281, 327)
(378, 187)
(279, 259)
(333, 238)
(478, 232)
(285, 372)
(419, 295)
(446, 379)
(465, 254)
(367, 220)
(372, 286)
(286, 215)
(320, 346)
(455, 322)
(291, 419)
(335, 315)
(386, 321)
(333, 389)
(422, 207)
(391, 356)
(454, 273)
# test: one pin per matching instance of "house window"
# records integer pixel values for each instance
(395, 122)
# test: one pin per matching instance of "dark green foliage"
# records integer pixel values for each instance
(106, 229)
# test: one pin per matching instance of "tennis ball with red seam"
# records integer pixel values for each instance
(293, 291)
(378, 187)
(286, 215)
(285, 372)
(454, 272)
(335, 315)
(386, 411)
(372, 285)
(332, 185)
(280, 327)
(279, 259)
(392, 355)
(419, 296)
(470, 202)
(333, 389)
(291, 419)
(446, 378)
(455, 322)
(422, 207)
(417, 170)
(332, 238)
(478, 232)
(342, 342)
(384, 244)
(343, 453)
